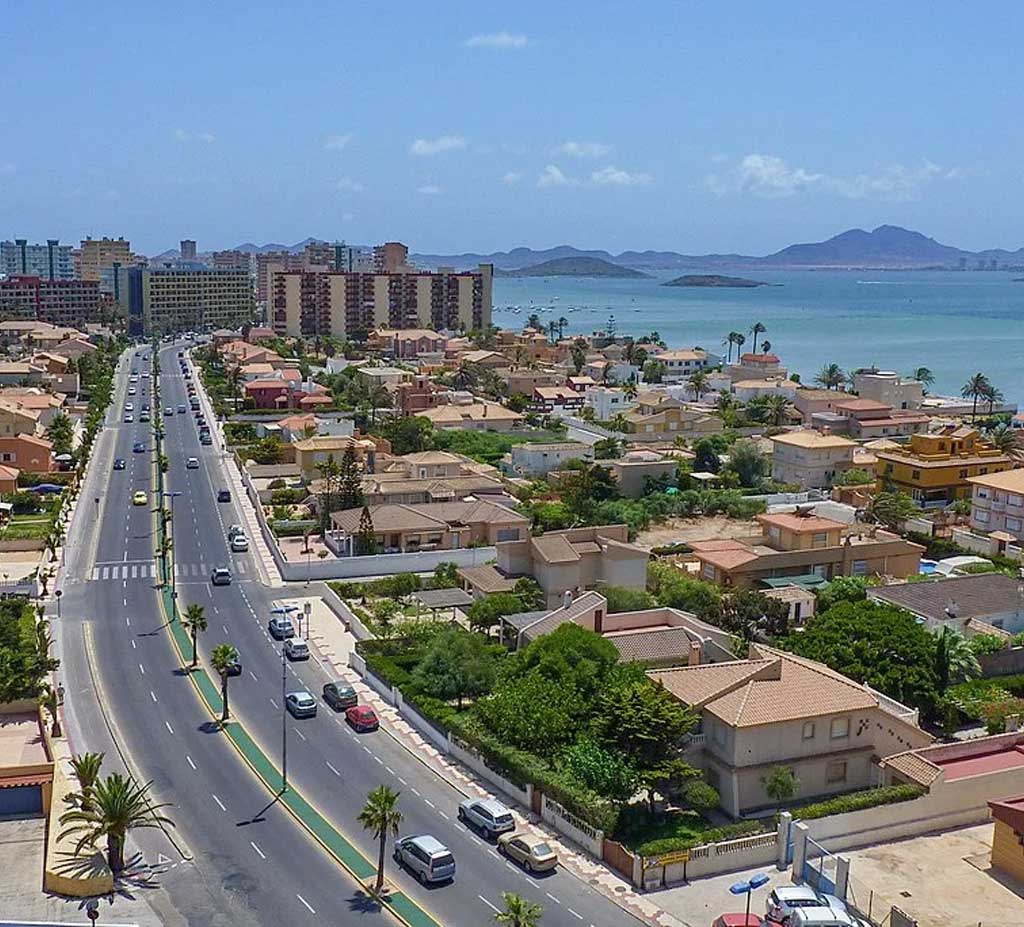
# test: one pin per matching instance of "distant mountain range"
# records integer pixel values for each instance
(886, 247)
(580, 266)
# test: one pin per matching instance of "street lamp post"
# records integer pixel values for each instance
(58, 594)
(746, 888)
(174, 589)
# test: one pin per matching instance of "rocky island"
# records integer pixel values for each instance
(573, 267)
(716, 280)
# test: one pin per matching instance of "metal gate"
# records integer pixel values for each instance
(819, 867)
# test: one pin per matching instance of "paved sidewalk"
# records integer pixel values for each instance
(333, 643)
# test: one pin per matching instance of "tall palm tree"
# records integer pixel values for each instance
(831, 376)
(223, 658)
(380, 816)
(519, 911)
(756, 330)
(766, 346)
(741, 340)
(619, 422)
(48, 699)
(562, 322)
(975, 388)
(629, 389)
(925, 377)
(379, 398)
(86, 767)
(954, 660)
(699, 383)
(120, 805)
(729, 340)
(772, 409)
(194, 621)
(534, 322)
(991, 395)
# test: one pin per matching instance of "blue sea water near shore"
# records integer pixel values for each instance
(954, 323)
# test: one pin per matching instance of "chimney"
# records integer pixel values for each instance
(693, 658)
(567, 598)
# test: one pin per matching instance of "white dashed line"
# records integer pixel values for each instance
(552, 897)
(272, 702)
(400, 779)
(170, 729)
(306, 903)
(332, 769)
(574, 914)
(390, 770)
(416, 793)
(258, 850)
(133, 645)
(297, 731)
(220, 804)
(142, 669)
(429, 802)
(251, 673)
(445, 816)
(491, 906)
(152, 695)
(189, 760)
(380, 762)
(493, 853)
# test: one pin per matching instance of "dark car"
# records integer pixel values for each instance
(138, 448)
(362, 718)
(224, 495)
(340, 695)
(205, 439)
(119, 463)
(235, 668)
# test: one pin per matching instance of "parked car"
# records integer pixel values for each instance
(168, 410)
(300, 704)
(205, 439)
(119, 463)
(281, 628)
(426, 857)
(128, 418)
(239, 544)
(487, 815)
(235, 529)
(192, 463)
(143, 416)
(533, 853)
(783, 900)
(182, 409)
(221, 576)
(821, 916)
(224, 495)
(340, 695)
(362, 718)
(295, 648)
(737, 920)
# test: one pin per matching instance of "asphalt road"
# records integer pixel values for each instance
(270, 871)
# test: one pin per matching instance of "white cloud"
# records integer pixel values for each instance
(433, 146)
(552, 176)
(584, 149)
(337, 142)
(613, 177)
(430, 189)
(501, 40)
(348, 185)
(183, 135)
(771, 177)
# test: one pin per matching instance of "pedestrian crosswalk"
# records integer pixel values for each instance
(148, 570)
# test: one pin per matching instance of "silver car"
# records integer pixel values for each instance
(426, 858)
(487, 815)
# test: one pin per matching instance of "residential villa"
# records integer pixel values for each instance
(434, 526)
(607, 402)
(997, 504)
(524, 380)
(552, 399)
(634, 469)
(660, 415)
(311, 452)
(27, 453)
(808, 401)
(868, 419)
(681, 365)
(804, 548)
(16, 420)
(746, 390)
(8, 479)
(934, 469)
(410, 342)
(473, 416)
(760, 366)
(810, 459)
(535, 460)
(888, 387)
(777, 709)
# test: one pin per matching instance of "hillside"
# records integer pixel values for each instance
(575, 267)
(716, 280)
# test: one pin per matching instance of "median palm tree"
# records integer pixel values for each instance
(119, 805)
(194, 621)
(975, 388)
(224, 657)
(380, 816)
(519, 911)
(954, 660)
(699, 383)
(756, 330)
(86, 768)
(831, 376)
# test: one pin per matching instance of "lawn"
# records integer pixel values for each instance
(26, 528)
(673, 830)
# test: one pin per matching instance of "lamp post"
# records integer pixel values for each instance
(58, 594)
(284, 723)
(174, 589)
(745, 888)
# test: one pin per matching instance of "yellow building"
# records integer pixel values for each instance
(659, 414)
(1008, 836)
(934, 469)
(98, 254)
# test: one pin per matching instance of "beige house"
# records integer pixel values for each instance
(777, 709)
(805, 546)
(659, 415)
(810, 459)
(997, 504)
(310, 453)
(635, 468)
(681, 365)
(475, 416)
(16, 420)
(809, 401)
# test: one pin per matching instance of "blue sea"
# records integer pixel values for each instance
(954, 323)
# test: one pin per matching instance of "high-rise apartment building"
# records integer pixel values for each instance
(231, 260)
(62, 302)
(188, 249)
(390, 257)
(100, 253)
(158, 301)
(52, 261)
(343, 305)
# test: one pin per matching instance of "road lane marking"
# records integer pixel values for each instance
(219, 802)
(152, 695)
(272, 702)
(142, 669)
(552, 897)
(168, 725)
(494, 853)
(189, 759)
(258, 850)
(416, 793)
(379, 760)
(574, 914)
(133, 645)
(306, 903)
(297, 731)
(332, 769)
(400, 779)
(251, 673)
(491, 906)
(429, 802)
(390, 770)
(445, 816)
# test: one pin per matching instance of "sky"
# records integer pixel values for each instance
(691, 126)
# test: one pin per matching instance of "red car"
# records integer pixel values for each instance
(362, 718)
(737, 920)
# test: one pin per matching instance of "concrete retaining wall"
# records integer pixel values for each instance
(569, 825)
(468, 757)
(716, 858)
(380, 564)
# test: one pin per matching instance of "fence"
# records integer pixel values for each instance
(714, 858)
(572, 826)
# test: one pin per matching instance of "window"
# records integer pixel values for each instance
(860, 568)
(819, 539)
(839, 728)
(508, 534)
(1013, 524)
(1014, 500)
(963, 474)
(808, 730)
(981, 516)
(709, 571)
(835, 772)
(915, 474)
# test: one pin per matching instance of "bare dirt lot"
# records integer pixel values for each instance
(696, 529)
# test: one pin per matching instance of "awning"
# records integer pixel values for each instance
(804, 580)
(11, 782)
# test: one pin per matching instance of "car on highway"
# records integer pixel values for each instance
(221, 576)
(300, 704)
(182, 409)
(486, 815)
(362, 718)
(140, 498)
(192, 463)
(138, 448)
(425, 857)
(295, 648)
(224, 495)
(129, 407)
(239, 544)
(340, 695)
(145, 375)
(128, 418)
(205, 439)
(235, 667)
(143, 416)
(168, 410)
(235, 529)
(531, 851)
(119, 463)
(131, 390)
(281, 628)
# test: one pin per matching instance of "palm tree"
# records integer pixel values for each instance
(831, 376)
(534, 322)
(120, 805)
(1002, 437)
(925, 377)
(87, 771)
(606, 372)
(729, 340)
(562, 322)
(619, 422)
(223, 658)
(519, 911)
(757, 329)
(699, 383)
(975, 388)
(194, 621)
(379, 398)
(775, 409)
(380, 816)
(954, 660)
(992, 396)
(629, 389)
(741, 340)
(48, 699)
(766, 346)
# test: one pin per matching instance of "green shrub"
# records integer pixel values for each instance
(348, 590)
(858, 801)
(288, 496)
(982, 644)
(683, 830)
